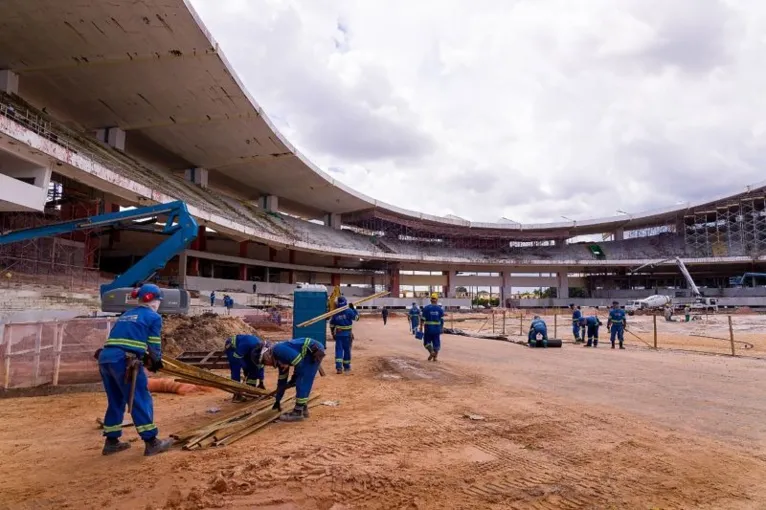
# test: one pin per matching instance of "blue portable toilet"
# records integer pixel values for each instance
(310, 301)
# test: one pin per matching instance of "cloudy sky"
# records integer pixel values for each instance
(528, 109)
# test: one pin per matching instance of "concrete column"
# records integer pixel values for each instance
(562, 281)
(183, 267)
(393, 281)
(112, 136)
(272, 254)
(450, 289)
(619, 234)
(335, 280)
(506, 291)
(270, 203)
(292, 277)
(333, 221)
(198, 176)
(9, 82)
(291, 256)
(243, 267)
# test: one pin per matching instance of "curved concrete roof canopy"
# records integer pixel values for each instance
(154, 70)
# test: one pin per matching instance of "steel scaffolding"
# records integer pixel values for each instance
(732, 229)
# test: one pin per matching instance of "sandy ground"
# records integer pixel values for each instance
(564, 428)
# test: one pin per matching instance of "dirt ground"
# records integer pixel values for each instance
(563, 428)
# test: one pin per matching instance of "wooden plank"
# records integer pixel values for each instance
(7, 340)
(36, 362)
(57, 353)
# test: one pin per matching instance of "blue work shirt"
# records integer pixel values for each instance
(538, 325)
(136, 331)
(290, 354)
(617, 316)
(433, 319)
(343, 322)
(576, 316)
(589, 321)
(414, 313)
(241, 346)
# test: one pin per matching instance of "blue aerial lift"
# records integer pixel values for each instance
(116, 296)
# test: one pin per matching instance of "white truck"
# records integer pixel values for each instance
(649, 303)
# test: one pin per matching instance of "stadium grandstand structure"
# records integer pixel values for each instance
(79, 128)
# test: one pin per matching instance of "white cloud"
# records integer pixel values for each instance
(529, 109)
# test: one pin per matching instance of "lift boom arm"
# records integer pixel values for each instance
(180, 225)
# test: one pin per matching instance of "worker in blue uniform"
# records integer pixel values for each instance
(134, 337)
(414, 314)
(304, 355)
(341, 325)
(431, 326)
(212, 298)
(243, 353)
(591, 325)
(537, 328)
(616, 324)
(576, 316)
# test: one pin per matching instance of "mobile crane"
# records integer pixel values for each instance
(658, 301)
(116, 295)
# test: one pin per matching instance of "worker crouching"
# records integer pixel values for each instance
(591, 325)
(243, 353)
(304, 355)
(431, 326)
(341, 325)
(134, 337)
(537, 330)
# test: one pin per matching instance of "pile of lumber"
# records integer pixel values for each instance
(233, 426)
(192, 375)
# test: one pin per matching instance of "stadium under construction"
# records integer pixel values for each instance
(81, 134)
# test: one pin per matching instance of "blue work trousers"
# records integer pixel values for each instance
(592, 334)
(343, 352)
(117, 394)
(617, 331)
(238, 365)
(432, 341)
(576, 330)
(414, 323)
(534, 332)
(305, 373)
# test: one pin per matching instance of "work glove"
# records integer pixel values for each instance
(152, 364)
(277, 406)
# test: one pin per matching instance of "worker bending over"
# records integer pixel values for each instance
(591, 324)
(304, 355)
(341, 325)
(431, 326)
(244, 354)
(576, 316)
(537, 328)
(616, 324)
(414, 315)
(135, 338)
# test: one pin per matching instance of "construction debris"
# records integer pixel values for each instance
(206, 332)
(460, 332)
(192, 375)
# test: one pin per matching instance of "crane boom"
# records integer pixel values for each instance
(693, 286)
(180, 226)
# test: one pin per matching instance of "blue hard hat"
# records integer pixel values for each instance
(148, 292)
(342, 301)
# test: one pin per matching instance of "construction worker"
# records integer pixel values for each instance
(243, 353)
(576, 316)
(537, 327)
(591, 323)
(341, 325)
(668, 313)
(212, 298)
(134, 338)
(431, 326)
(384, 314)
(616, 324)
(304, 355)
(414, 314)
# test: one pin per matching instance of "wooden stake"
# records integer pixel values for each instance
(7, 340)
(555, 325)
(36, 359)
(731, 337)
(655, 330)
(57, 348)
(521, 324)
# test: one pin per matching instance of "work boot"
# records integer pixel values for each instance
(589, 344)
(436, 355)
(156, 446)
(612, 345)
(595, 343)
(238, 398)
(621, 346)
(114, 445)
(294, 415)
(306, 411)
(261, 386)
